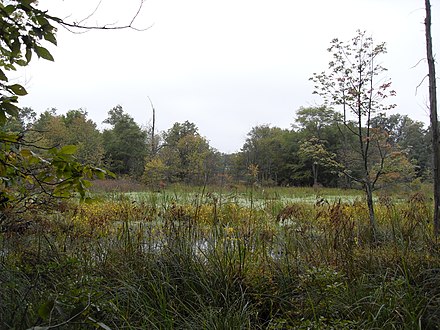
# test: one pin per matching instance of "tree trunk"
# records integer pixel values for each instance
(434, 118)
(370, 203)
(315, 173)
(153, 128)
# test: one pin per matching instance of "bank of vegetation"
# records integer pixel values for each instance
(223, 259)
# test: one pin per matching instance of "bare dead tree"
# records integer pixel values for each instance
(153, 142)
(433, 117)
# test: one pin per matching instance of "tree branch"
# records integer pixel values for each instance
(80, 26)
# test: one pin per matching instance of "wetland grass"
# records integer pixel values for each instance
(207, 259)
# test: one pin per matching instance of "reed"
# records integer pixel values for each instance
(210, 259)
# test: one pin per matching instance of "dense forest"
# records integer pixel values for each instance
(310, 153)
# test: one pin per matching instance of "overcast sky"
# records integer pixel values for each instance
(225, 65)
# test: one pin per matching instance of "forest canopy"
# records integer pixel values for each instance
(309, 153)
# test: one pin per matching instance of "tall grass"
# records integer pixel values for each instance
(208, 260)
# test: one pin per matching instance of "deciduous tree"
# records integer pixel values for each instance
(73, 128)
(125, 143)
(355, 83)
(322, 124)
(409, 136)
(268, 148)
(314, 153)
(187, 155)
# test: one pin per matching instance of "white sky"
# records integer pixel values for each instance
(226, 65)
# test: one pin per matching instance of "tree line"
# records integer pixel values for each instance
(314, 151)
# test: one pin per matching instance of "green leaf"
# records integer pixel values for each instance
(10, 109)
(3, 76)
(61, 191)
(44, 53)
(26, 5)
(42, 20)
(68, 150)
(15, 48)
(28, 54)
(9, 9)
(50, 37)
(100, 173)
(18, 89)
(37, 31)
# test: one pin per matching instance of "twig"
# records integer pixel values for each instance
(421, 82)
(80, 26)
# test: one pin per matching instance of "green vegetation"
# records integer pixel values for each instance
(217, 241)
(312, 152)
(210, 258)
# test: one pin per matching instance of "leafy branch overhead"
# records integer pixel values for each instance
(28, 173)
(23, 30)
